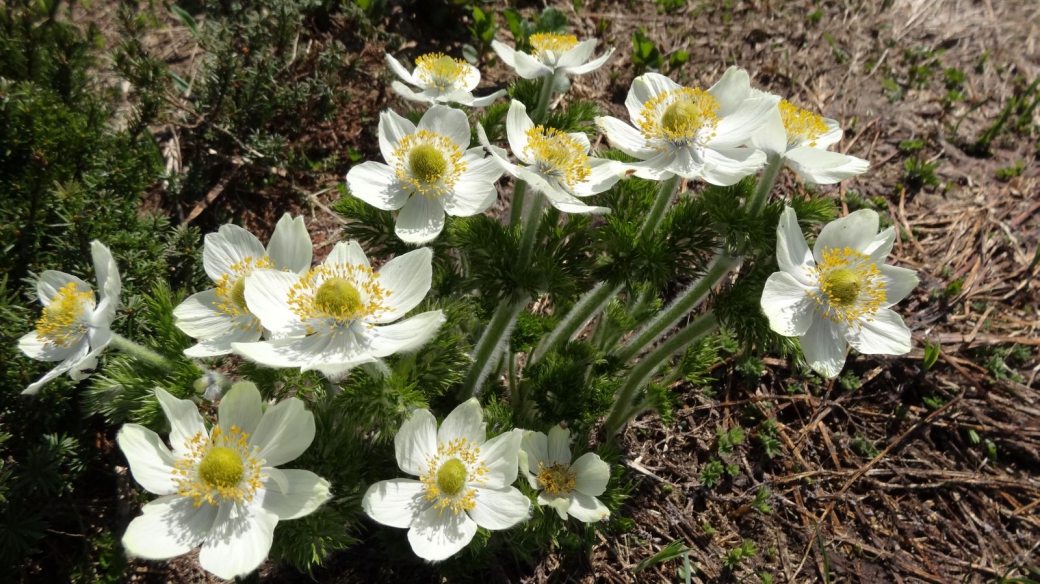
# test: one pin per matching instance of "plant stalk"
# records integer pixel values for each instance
(544, 97)
(665, 194)
(140, 353)
(585, 310)
(491, 344)
(765, 184)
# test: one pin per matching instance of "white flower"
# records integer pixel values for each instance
(801, 137)
(75, 325)
(840, 293)
(689, 132)
(440, 79)
(220, 316)
(335, 316)
(570, 488)
(553, 54)
(430, 171)
(464, 482)
(219, 488)
(556, 164)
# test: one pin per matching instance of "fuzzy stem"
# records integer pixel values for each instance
(529, 230)
(585, 310)
(621, 411)
(665, 194)
(689, 299)
(516, 207)
(765, 185)
(140, 353)
(491, 344)
(544, 97)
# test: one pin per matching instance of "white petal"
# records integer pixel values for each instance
(497, 154)
(151, 462)
(728, 166)
(530, 68)
(405, 92)
(267, 296)
(305, 492)
(449, 122)
(199, 317)
(899, 282)
(284, 432)
(534, 451)
(415, 441)
(400, 70)
(645, 88)
(499, 508)
(591, 65)
(470, 78)
(731, 90)
(824, 347)
(290, 246)
(792, 253)
(184, 418)
(786, 304)
(625, 138)
(239, 542)
(500, 456)
(472, 196)
(52, 281)
(558, 198)
(592, 474)
(396, 502)
(348, 252)
(884, 334)
(879, 249)
(856, 231)
(603, 174)
(559, 445)
(577, 55)
(392, 128)
(34, 348)
(824, 167)
(286, 352)
(505, 52)
(771, 138)
(487, 99)
(169, 526)
(420, 220)
(79, 351)
(240, 407)
(228, 246)
(339, 353)
(587, 509)
(465, 421)
(405, 335)
(438, 535)
(376, 184)
(560, 504)
(222, 345)
(738, 128)
(407, 280)
(107, 274)
(831, 136)
(518, 123)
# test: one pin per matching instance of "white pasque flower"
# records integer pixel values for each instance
(430, 171)
(335, 316)
(802, 137)
(554, 54)
(840, 293)
(690, 132)
(441, 79)
(220, 487)
(220, 316)
(570, 488)
(75, 325)
(464, 482)
(555, 163)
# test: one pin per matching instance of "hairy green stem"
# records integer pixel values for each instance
(765, 184)
(622, 411)
(585, 310)
(491, 344)
(139, 352)
(544, 97)
(529, 230)
(665, 194)
(516, 208)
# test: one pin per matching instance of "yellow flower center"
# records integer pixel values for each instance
(847, 286)
(556, 479)
(552, 42)
(557, 155)
(440, 71)
(429, 163)
(801, 125)
(451, 475)
(679, 115)
(64, 320)
(219, 468)
(231, 291)
(338, 295)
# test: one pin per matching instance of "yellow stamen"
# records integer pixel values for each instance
(556, 43)
(441, 71)
(451, 475)
(801, 125)
(64, 320)
(429, 163)
(847, 286)
(231, 291)
(338, 298)
(219, 468)
(238, 295)
(338, 294)
(679, 115)
(558, 155)
(556, 479)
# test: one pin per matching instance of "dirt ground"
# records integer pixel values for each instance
(891, 474)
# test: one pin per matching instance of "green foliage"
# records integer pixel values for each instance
(550, 20)
(712, 473)
(674, 550)
(728, 439)
(736, 556)
(645, 54)
(761, 502)
(1010, 172)
(919, 173)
